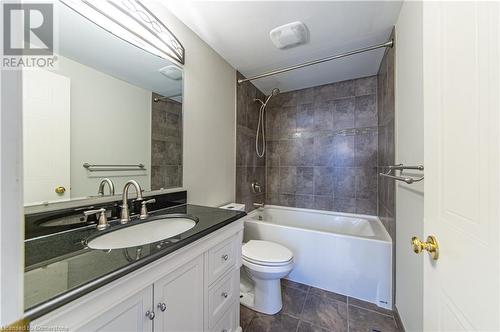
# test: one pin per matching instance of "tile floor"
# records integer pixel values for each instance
(309, 309)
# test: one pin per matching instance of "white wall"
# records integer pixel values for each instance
(110, 124)
(209, 111)
(409, 151)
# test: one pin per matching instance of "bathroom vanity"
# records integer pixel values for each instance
(96, 258)
(186, 283)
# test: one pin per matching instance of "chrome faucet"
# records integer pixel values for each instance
(103, 219)
(111, 185)
(258, 205)
(144, 208)
(125, 217)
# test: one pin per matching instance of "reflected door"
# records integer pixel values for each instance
(46, 136)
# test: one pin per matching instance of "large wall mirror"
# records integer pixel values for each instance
(109, 110)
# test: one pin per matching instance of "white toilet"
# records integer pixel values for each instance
(265, 263)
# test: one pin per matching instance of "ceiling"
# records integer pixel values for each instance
(239, 32)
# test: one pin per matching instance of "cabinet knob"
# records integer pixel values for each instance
(224, 295)
(162, 306)
(225, 257)
(150, 314)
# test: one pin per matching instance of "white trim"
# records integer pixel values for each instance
(11, 198)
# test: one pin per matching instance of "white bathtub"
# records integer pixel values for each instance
(344, 253)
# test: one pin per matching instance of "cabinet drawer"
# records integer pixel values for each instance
(228, 322)
(222, 257)
(222, 295)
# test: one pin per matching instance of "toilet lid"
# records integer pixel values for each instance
(266, 252)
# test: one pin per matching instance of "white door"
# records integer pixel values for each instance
(461, 204)
(127, 316)
(46, 136)
(178, 299)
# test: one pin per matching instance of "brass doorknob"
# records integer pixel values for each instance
(60, 190)
(431, 246)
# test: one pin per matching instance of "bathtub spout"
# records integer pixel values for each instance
(258, 205)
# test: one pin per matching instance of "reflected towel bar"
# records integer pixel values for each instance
(401, 168)
(101, 168)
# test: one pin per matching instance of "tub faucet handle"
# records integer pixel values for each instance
(258, 205)
(256, 187)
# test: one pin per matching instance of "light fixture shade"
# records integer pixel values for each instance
(133, 22)
(172, 71)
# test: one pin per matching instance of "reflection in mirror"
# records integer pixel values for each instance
(107, 113)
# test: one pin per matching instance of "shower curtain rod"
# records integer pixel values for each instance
(389, 43)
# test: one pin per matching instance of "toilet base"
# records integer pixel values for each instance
(263, 296)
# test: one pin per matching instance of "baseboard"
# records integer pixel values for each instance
(398, 320)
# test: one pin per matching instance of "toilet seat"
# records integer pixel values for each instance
(247, 260)
(266, 253)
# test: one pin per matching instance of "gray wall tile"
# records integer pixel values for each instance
(249, 167)
(324, 151)
(323, 202)
(344, 150)
(346, 205)
(366, 111)
(386, 148)
(304, 201)
(305, 180)
(343, 113)
(366, 86)
(288, 179)
(366, 149)
(344, 183)
(305, 117)
(323, 116)
(321, 141)
(166, 144)
(323, 180)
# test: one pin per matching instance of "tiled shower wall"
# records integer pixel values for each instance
(249, 167)
(166, 144)
(322, 147)
(386, 150)
(386, 145)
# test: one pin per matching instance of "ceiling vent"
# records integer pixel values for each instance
(289, 35)
(172, 71)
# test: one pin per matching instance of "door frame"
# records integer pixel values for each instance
(11, 199)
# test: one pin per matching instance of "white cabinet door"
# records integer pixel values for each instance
(129, 315)
(461, 203)
(178, 299)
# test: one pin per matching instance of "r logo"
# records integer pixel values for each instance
(37, 21)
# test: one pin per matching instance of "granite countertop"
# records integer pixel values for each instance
(60, 268)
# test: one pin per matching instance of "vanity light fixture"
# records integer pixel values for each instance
(133, 22)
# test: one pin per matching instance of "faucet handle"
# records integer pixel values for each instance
(144, 208)
(103, 219)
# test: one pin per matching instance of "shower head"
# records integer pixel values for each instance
(274, 92)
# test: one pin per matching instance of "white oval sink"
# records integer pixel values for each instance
(140, 234)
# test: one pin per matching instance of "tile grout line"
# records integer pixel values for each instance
(347, 302)
(302, 309)
(374, 311)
